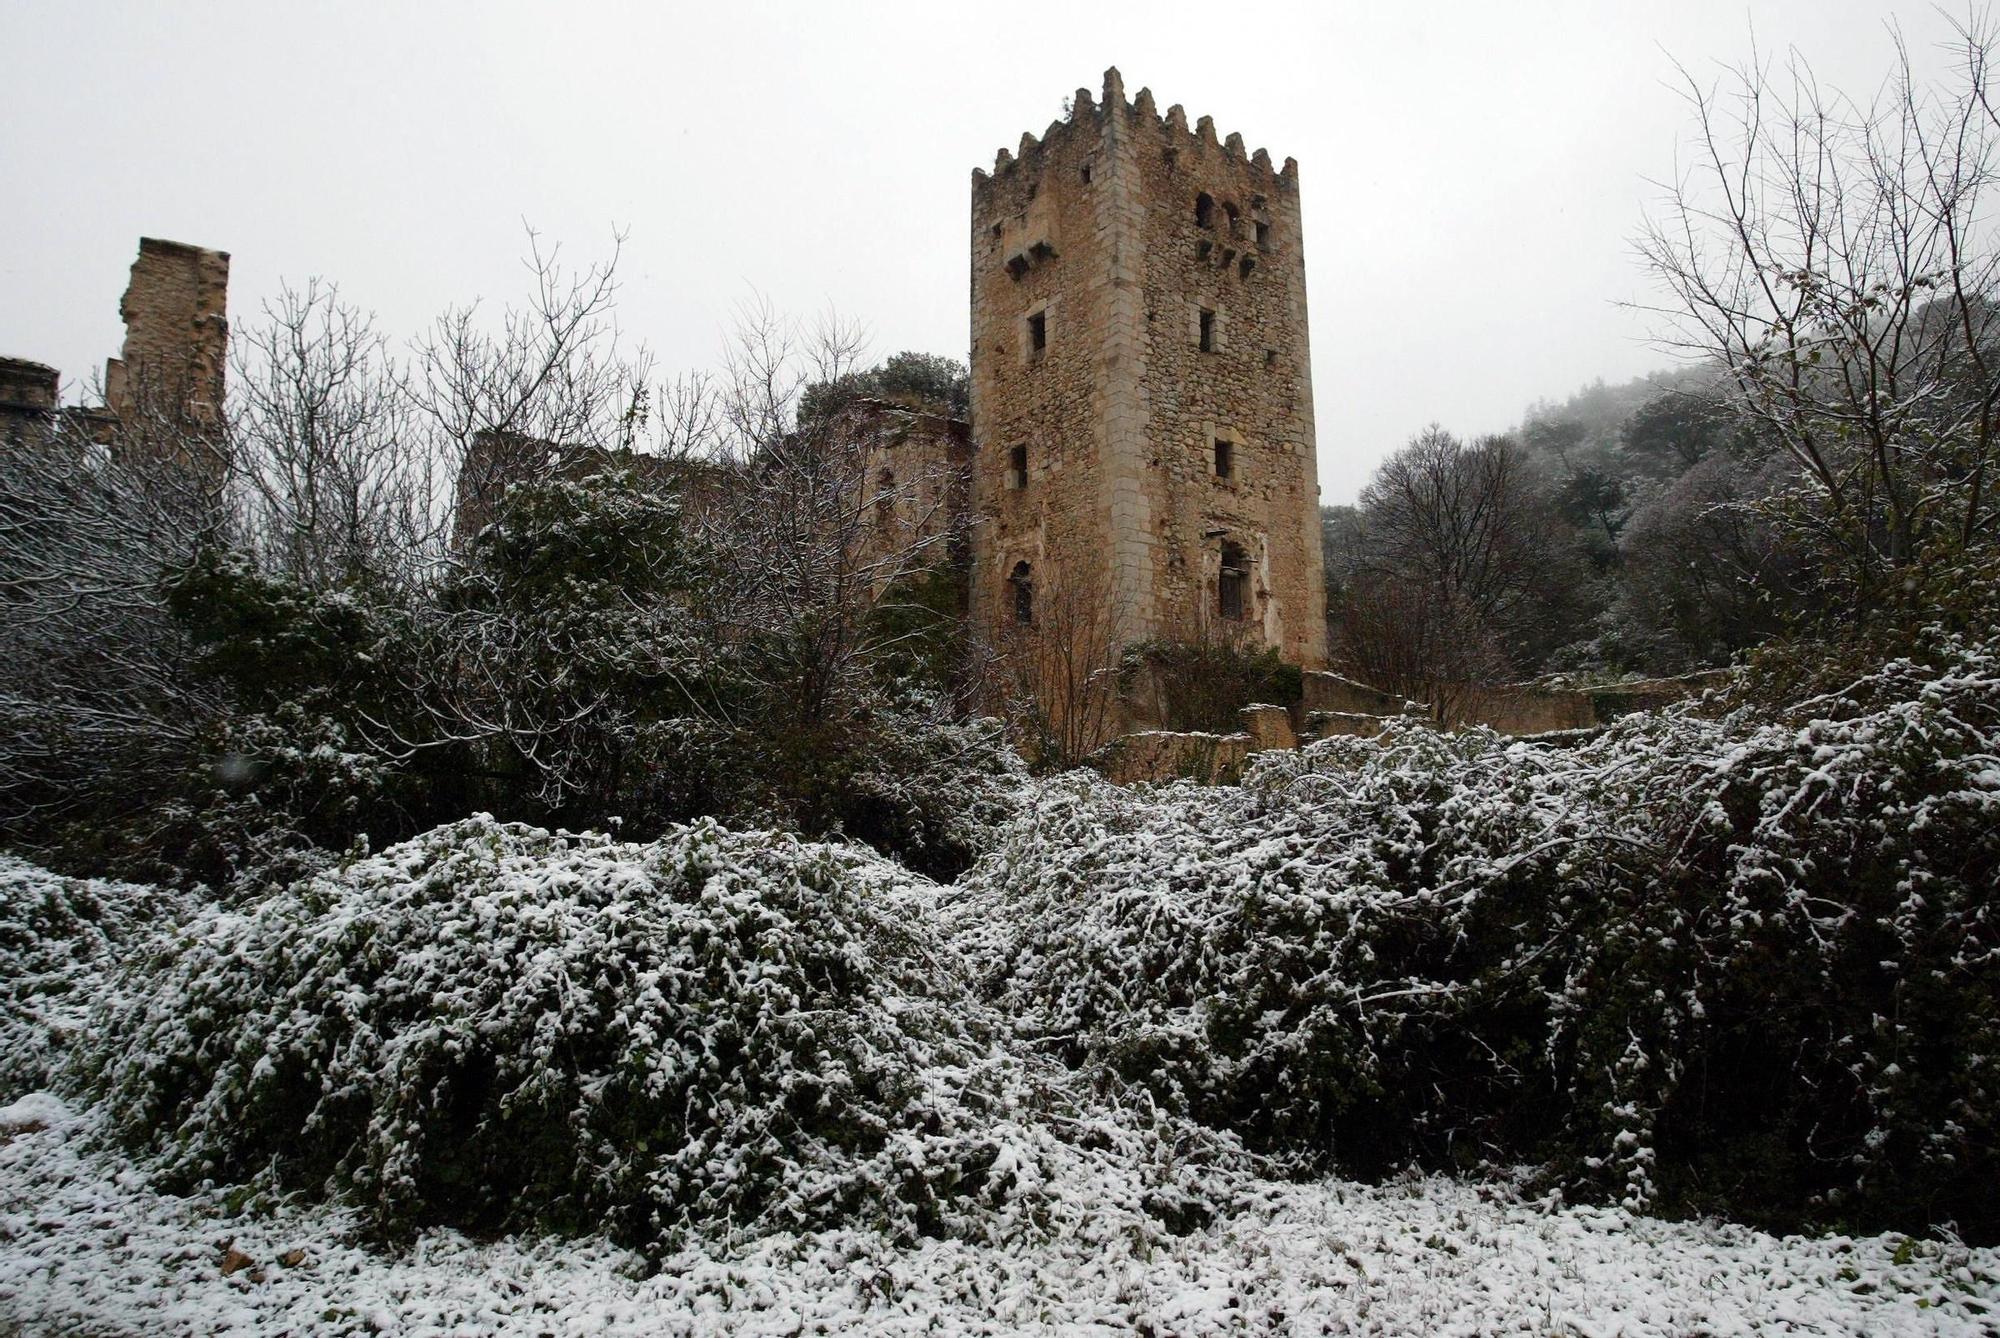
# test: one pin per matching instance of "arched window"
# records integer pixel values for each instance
(1022, 582)
(1204, 210)
(1232, 586)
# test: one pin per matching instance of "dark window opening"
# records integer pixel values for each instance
(1235, 223)
(1038, 331)
(1270, 357)
(1263, 233)
(1021, 581)
(1086, 174)
(1233, 583)
(1204, 211)
(1225, 458)
(997, 227)
(1207, 331)
(1017, 467)
(1017, 266)
(1202, 248)
(1244, 266)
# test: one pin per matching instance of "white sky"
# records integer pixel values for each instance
(1473, 173)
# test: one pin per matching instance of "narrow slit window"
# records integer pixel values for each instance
(1225, 458)
(1086, 174)
(1021, 587)
(1207, 331)
(1017, 468)
(1038, 332)
(1204, 211)
(1233, 584)
(1263, 234)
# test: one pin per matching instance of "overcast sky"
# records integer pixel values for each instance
(1472, 173)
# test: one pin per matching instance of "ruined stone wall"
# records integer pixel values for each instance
(176, 348)
(1088, 241)
(1046, 237)
(28, 393)
(914, 485)
(1220, 234)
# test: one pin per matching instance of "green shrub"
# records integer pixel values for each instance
(1693, 963)
(499, 1028)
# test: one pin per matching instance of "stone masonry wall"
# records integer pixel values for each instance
(176, 335)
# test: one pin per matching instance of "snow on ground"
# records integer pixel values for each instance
(86, 1247)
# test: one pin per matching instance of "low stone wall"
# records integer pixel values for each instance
(1164, 755)
(1329, 692)
(1545, 708)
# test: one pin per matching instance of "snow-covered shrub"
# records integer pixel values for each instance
(60, 940)
(1740, 962)
(498, 1027)
(930, 789)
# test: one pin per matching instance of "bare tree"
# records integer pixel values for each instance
(1472, 525)
(1059, 670)
(337, 479)
(554, 375)
(99, 707)
(816, 535)
(1837, 258)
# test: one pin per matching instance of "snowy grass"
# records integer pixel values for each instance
(87, 1245)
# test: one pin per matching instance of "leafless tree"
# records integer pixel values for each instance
(815, 534)
(337, 479)
(1472, 524)
(1837, 258)
(1059, 672)
(98, 703)
(555, 373)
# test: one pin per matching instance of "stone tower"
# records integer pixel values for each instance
(176, 335)
(1142, 412)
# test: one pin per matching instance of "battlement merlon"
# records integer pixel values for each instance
(1089, 116)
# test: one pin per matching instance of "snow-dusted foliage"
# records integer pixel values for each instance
(1740, 963)
(499, 1027)
(60, 939)
(90, 1245)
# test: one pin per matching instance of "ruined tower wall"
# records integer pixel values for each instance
(1093, 228)
(1044, 243)
(175, 311)
(1250, 390)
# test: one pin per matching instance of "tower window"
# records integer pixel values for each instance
(1235, 226)
(1017, 467)
(1263, 234)
(1086, 174)
(1021, 583)
(1244, 266)
(1233, 583)
(1038, 332)
(1225, 458)
(1204, 211)
(1207, 331)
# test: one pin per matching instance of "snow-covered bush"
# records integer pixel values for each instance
(1740, 963)
(498, 1027)
(60, 940)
